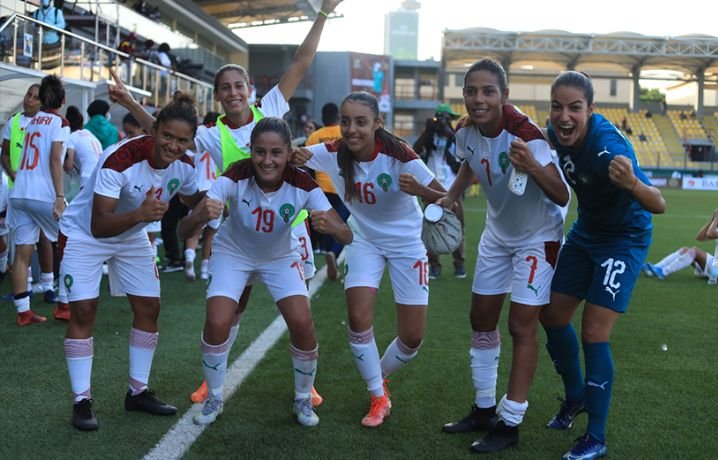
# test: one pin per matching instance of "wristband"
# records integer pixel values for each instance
(326, 15)
(59, 196)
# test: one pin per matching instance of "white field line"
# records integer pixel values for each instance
(184, 433)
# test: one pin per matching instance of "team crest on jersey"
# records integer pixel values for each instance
(69, 281)
(286, 211)
(384, 181)
(173, 185)
(504, 162)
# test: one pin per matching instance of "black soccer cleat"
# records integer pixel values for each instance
(83, 417)
(498, 438)
(477, 420)
(566, 413)
(148, 402)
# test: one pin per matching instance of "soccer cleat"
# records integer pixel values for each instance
(434, 273)
(83, 417)
(200, 394)
(479, 419)
(105, 269)
(566, 413)
(175, 266)
(460, 272)
(499, 437)
(646, 270)
(657, 272)
(62, 311)
(204, 274)
(212, 409)
(317, 399)
(189, 271)
(50, 296)
(148, 402)
(587, 448)
(305, 412)
(385, 386)
(379, 410)
(29, 317)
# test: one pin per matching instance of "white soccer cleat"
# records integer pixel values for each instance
(189, 270)
(305, 412)
(212, 408)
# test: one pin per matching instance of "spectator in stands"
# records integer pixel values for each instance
(330, 132)
(50, 15)
(642, 137)
(99, 123)
(310, 126)
(148, 51)
(163, 57)
(625, 128)
(649, 114)
(128, 44)
(437, 147)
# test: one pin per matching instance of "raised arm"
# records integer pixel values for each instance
(306, 51)
(120, 94)
(709, 230)
(621, 173)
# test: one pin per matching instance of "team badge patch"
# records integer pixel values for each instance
(384, 181)
(286, 211)
(173, 185)
(504, 162)
(69, 281)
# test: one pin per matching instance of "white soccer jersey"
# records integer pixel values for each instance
(126, 174)
(260, 224)
(87, 153)
(205, 170)
(515, 220)
(33, 179)
(382, 214)
(208, 138)
(24, 121)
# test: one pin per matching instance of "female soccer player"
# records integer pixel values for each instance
(264, 194)
(602, 256)
(517, 251)
(83, 148)
(38, 198)
(378, 174)
(228, 139)
(106, 222)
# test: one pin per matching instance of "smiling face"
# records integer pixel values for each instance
(270, 155)
(358, 125)
(570, 114)
(484, 99)
(172, 139)
(232, 91)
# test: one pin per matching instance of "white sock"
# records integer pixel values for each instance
(233, 332)
(366, 357)
(47, 281)
(484, 354)
(142, 350)
(305, 371)
(189, 255)
(205, 265)
(214, 366)
(78, 354)
(29, 279)
(511, 412)
(22, 305)
(668, 259)
(396, 356)
(682, 261)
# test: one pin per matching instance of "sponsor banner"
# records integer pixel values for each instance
(700, 183)
(371, 73)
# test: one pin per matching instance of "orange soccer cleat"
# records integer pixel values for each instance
(317, 399)
(29, 317)
(380, 409)
(200, 393)
(62, 311)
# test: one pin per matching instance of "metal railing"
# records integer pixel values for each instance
(74, 56)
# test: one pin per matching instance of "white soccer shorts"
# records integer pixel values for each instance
(28, 217)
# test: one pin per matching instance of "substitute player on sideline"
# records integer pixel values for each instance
(132, 186)
(38, 198)
(228, 140)
(379, 176)
(264, 193)
(517, 251)
(602, 256)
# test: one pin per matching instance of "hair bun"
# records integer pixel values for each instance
(182, 98)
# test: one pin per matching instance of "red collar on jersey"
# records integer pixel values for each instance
(377, 148)
(231, 125)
